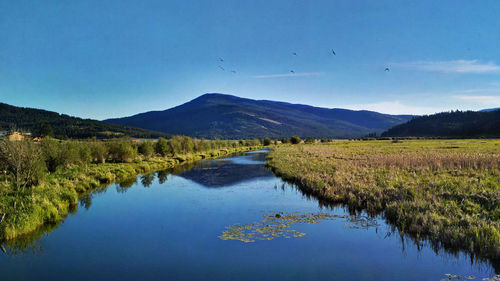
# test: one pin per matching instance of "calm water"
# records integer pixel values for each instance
(166, 226)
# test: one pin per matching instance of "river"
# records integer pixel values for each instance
(223, 219)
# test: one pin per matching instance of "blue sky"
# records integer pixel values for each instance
(102, 59)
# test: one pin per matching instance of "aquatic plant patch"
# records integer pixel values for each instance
(278, 225)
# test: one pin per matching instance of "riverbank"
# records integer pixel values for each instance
(58, 194)
(445, 191)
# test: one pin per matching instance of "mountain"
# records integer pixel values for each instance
(64, 126)
(450, 124)
(490, 109)
(230, 117)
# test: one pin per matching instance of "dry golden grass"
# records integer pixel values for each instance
(445, 190)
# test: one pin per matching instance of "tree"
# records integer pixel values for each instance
(295, 140)
(99, 152)
(310, 140)
(147, 149)
(122, 151)
(162, 147)
(51, 149)
(46, 130)
(285, 140)
(175, 145)
(23, 161)
(266, 141)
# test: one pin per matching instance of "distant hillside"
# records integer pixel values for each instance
(231, 117)
(490, 109)
(64, 126)
(450, 124)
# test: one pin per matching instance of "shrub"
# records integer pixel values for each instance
(98, 152)
(266, 141)
(146, 149)
(295, 140)
(310, 140)
(122, 151)
(162, 147)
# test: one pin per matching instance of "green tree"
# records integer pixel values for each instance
(162, 147)
(310, 140)
(99, 152)
(51, 149)
(266, 141)
(295, 140)
(46, 130)
(146, 149)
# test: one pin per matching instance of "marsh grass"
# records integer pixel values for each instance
(446, 191)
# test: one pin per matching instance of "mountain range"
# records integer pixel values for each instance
(230, 117)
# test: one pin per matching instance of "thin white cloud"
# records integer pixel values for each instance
(279, 75)
(456, 66)
(470, 91)
(395, 107)
(491, 101)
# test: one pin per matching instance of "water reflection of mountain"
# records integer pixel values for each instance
(222, 173)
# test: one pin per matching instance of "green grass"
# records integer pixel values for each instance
(446, 191)
(58, 193)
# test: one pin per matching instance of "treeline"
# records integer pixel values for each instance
(25, 163)
(61, 126)
(458, 124)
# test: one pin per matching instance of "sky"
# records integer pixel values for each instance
(114, 58)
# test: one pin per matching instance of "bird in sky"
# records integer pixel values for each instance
(387, 69)
(221, 59)
(294, 53)
(233, 71)
(333, 52)
(292, 71)
(221, 68)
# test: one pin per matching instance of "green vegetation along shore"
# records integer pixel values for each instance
(42, 182)
(444, 191)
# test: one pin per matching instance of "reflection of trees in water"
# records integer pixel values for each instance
(162, 176)
(443, 248)
(147, 179)
(124, 185)
(28, 243)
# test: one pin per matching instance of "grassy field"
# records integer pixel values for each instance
(444, 191)
(57, 195)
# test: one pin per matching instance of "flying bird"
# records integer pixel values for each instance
(221, 68)
(387, 69)
(334, 52)
(292, 71)
(294, 53)
(221, 59)
(233, 71)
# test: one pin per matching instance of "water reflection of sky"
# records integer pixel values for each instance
(250, 158)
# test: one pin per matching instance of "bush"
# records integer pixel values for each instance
(310, 140)
(98, 152)
(122, 151)
(266, 141)
(162, 147)
(146, 149)
(51, 149)
(285, 140)
(295, 140)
